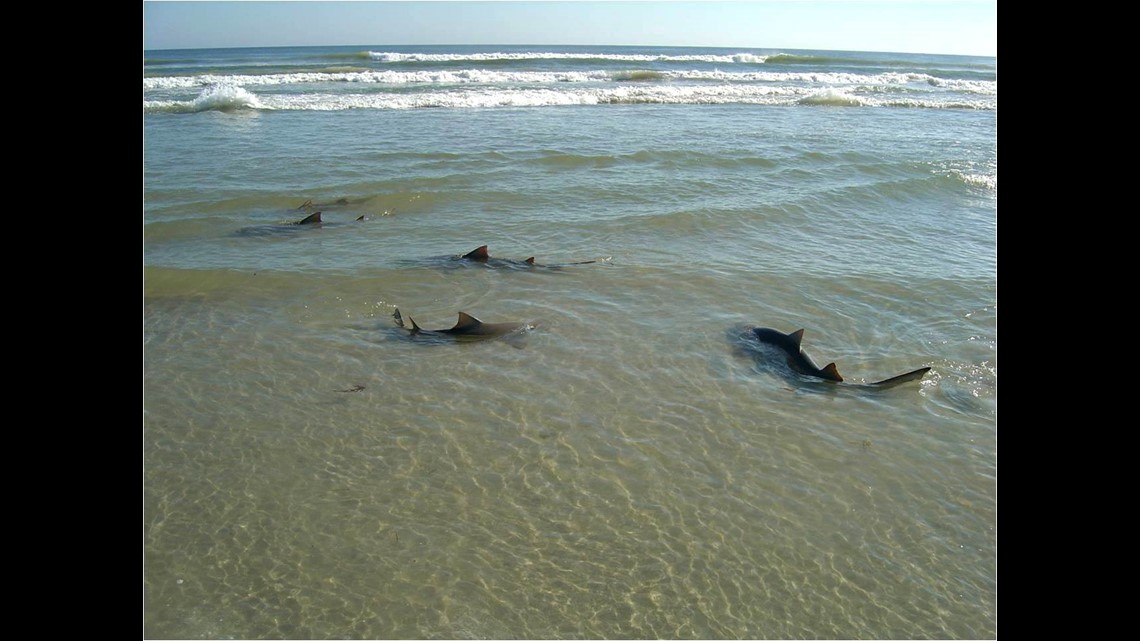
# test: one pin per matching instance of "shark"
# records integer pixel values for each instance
(308, 204)
(315, 218)
(801, 363)
(312, 221)
(466, 328)
(481, 255)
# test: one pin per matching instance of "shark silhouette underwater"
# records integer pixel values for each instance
(467, 328)
(312, 221)
(801, 363)
(482, 256)
(309, 205)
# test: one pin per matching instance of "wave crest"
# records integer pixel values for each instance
(212, 98)
(830, 97)
(639, 76)
(225, 98)
(397, 57)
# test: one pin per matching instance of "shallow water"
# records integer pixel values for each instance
(633, 467)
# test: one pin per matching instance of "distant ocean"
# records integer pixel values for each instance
(633, 466)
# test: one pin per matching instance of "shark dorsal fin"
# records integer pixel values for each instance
(415, 328)
(830, 373)
(797, 337)
(467, 321)
(310, 219)
(479, 253)
(530, 261)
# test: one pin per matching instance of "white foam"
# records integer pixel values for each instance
(395, 57)
(484, 76)
(212, 98)
(833, 98)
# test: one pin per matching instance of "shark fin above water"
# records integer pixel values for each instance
(479, 253)
(466, 322)
(830, 373)
(797, 337)
(482, 255)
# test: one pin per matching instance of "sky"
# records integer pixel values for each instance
(962, 27)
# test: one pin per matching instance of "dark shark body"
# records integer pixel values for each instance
(315, 219)
(482, 255)
(801, 363)
(312, 221)
(340, 202)
(797, 359)
(480, 258)
(466, 328)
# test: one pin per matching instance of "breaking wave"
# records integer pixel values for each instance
(212, 98)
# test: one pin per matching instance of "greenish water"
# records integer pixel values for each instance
(632, 467)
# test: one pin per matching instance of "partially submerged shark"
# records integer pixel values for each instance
(801, 363)
(308, 204)
(482, 255)
(313, 220)
(467, 328)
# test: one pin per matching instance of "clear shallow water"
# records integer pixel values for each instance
(632, 467)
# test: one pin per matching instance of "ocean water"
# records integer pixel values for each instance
(632, 466)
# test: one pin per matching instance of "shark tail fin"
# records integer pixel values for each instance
(400, 322)
(829, 372)
(903, 378)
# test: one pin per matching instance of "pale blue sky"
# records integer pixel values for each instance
(966, 27)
